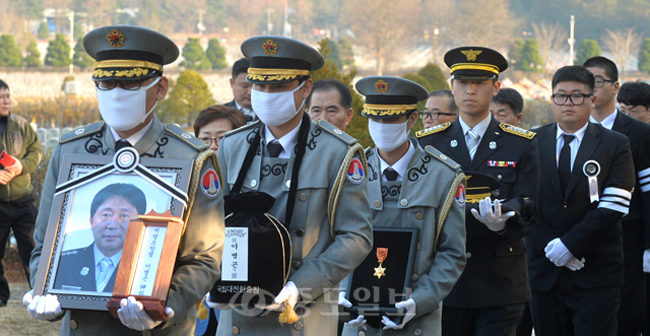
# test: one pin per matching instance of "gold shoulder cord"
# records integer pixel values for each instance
(449, 201)
(340, 179)
(195, 179)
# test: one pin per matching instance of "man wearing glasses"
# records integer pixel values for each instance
(636, 225)
(634, 100)
(128, 74)
(440, 109)
(489, 297)
(575, 250)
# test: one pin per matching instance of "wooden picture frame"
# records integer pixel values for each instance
(164, 182)
(135, 266)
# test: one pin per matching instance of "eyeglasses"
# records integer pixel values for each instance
(209, 141)
(433, 115)
(601, 81)
(576, 99)
(633, 110)
(110, 84)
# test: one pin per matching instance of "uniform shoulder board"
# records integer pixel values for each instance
(431, 130)
(188, 138)
(517, 131)
(442, 157)
(82, 132)
(243, 128)
(337, 133)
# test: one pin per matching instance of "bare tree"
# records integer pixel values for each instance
(437, 21)
(486, 23)
(551, 37)
(623, 44)
(382, 27)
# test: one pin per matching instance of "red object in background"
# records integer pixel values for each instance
(6, 160)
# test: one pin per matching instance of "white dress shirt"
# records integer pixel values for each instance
(575, 144)
(608, 122)
(287, 141)
(399, 166)
(133, 139)
(480, 128)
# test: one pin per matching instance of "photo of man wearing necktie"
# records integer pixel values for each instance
(93, 268)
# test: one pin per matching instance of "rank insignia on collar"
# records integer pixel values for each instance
(270, 47)
(471, 54)
(493, 144)
(116, 38)
(381, 86)
(454, 143)
(84, 271)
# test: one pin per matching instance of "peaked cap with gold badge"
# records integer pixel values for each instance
(128, 52)
(390, 97)
(475, 63)
(276, 59)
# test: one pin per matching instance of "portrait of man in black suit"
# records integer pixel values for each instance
(93, 268)
(575, 250)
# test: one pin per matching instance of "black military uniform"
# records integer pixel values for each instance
(489, 296)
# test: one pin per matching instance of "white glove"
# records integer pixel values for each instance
(133, 315)
(360, 321)
(558, 253)
(574, 264)
(289, 292)
(44, 308)
(646, 261)
(216, 305)
(410, 307)
(494, 220)
(343, 301)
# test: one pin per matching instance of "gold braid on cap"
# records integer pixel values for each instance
(380, 110)
(267, 75)
(475, 66)
(126, 64)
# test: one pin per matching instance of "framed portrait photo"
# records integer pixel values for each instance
(97, 198)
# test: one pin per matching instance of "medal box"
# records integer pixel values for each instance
(384, 277)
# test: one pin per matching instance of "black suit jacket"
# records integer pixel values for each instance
(495, 273)
(589, 230)
(639, 134)
(77, 271)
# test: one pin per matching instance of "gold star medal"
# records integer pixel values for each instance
(382, 253)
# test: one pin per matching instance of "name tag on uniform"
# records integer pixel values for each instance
(234, 264)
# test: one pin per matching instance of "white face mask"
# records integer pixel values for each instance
(124, 109)
(275, 108)
(388, 137)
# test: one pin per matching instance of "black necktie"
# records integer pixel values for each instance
(390, 174)
(275, 148)
(119, 144)
(564, 167)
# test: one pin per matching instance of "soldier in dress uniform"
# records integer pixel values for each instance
(490, 295)
(327, 243)
(412, 187)
(129, 78)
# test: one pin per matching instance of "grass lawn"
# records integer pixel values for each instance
(14, 318)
